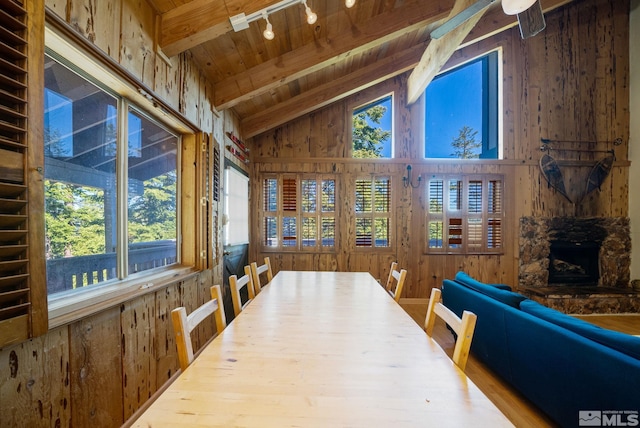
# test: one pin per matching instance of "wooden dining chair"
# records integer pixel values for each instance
(463, 327)
(184, 324)
(256, 271)
(236, 285)
(395, 282)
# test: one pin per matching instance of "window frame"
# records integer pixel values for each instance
(463, 214)
(492, 108)
(374, 215)
(297, 213)
(90, 64)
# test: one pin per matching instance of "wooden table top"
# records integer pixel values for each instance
(322, 349)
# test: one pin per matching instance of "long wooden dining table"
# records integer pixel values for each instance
(322, 349)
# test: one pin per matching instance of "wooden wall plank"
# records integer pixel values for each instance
(138, 352)
(95, 361)
(35, 382)
(99, 22)
(166, 358)
(137, 40)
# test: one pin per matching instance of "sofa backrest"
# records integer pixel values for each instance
(490, 338)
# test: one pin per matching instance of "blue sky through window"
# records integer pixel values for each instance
(453, 100)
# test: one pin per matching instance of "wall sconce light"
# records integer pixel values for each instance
(349, 3)
(406, 181)
(514, 7)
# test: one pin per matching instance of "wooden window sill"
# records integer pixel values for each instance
(70, 307)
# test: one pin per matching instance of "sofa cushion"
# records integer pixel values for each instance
(493, 291)
(624, 343)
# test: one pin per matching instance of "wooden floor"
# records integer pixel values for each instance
(517, 408)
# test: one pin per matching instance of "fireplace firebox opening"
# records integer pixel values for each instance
(574, 263)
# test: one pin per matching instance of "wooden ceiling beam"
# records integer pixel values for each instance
(325, 51)
(439, 51)
(328, 93)
(199, 21)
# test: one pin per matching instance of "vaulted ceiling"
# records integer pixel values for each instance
(305, 67)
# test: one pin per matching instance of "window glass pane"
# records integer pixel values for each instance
(383, 195)
(363, 196)
(270, 232)
(372, 130)
(436, 196)
(494, 233)
(309, 231)
(435, 234)
(289, 232)
(461, 119)
(289, 194)
(152, 186)
(270, 194)
(455, 233)
(328, 196)
(309, 196)
(382, 232)
(328, 232)
(474, 234)
(364, 236)
(475, 197)
(80, 180)
(455, 195)
(494, 197)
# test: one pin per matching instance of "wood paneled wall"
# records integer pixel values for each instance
(98, 370)
(568, 83)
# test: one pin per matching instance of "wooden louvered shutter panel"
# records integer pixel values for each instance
(23, 303)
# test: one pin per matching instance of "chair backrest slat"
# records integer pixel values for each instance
(256, 271)
(184, 324)
(395, 282)
(236, 285)
(464, 327)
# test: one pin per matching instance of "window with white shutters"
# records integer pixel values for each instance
(464, 214)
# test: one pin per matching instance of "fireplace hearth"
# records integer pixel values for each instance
(577, 265)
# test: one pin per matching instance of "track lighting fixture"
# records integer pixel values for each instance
(241, 21)
(268, 32)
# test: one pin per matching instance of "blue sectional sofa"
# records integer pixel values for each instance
(569, 368)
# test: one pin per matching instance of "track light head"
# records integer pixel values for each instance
(311, 17)
(268, 32)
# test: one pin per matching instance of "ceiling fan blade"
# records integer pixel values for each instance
(531, 21)
(460, 18)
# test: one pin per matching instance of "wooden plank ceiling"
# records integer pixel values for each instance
(305, 67)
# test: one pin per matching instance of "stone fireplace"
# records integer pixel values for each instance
(577, 265)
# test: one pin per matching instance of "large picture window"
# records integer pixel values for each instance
(464, 214)
(110, 184)
(461, 114)
(299, 213)
(372, 130)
